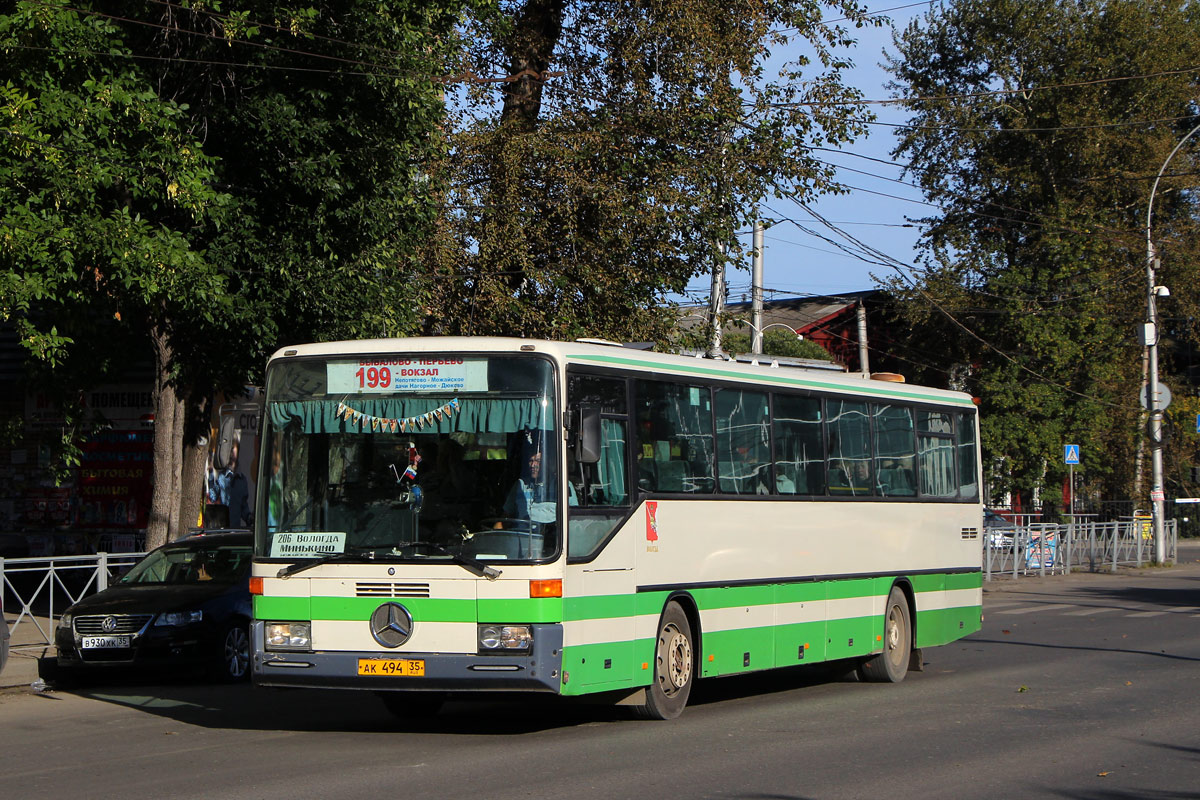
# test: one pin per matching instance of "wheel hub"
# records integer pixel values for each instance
(678, 658)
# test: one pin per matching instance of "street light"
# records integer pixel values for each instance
(1157, 495)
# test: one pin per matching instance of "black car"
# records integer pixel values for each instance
(186, 603)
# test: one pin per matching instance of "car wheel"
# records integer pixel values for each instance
(233, 654)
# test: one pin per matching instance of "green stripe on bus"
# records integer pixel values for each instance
(782, 379)
(965, 580)
(423, 609)
(608, 606)
(282, 608)
(541, 609)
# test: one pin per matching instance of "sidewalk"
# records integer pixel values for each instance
(25, 648)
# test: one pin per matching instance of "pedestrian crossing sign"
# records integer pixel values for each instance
(1071, 454)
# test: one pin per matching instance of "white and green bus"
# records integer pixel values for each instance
(458, 515)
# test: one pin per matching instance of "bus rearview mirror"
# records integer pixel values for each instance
(587, 441)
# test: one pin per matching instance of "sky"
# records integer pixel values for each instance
(796, 263)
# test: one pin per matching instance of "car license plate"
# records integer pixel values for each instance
(90, 642)
(402, 667)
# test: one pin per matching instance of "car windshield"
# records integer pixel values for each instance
(191, 563)
(423, 457)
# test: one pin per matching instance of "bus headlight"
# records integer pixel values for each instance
(505, 638)
(288, 635)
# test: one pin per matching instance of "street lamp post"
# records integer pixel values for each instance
(1157, 495)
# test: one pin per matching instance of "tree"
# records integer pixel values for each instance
(1038, 126)
(626, 145)
(212, 182)
(775, 343)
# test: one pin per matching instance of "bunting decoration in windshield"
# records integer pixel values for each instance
(389, 424)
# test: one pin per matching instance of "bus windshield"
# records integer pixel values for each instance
(424, 457)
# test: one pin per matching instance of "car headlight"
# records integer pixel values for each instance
(175, 619)
(65, 621)
(505, 638)
(288, 635)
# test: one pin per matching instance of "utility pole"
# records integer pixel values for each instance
(864, 363)
(1157, 493)
(756, 292)
(716, 304)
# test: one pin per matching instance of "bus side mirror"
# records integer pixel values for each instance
(225, 435)
(587, 438)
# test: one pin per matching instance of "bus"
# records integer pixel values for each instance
(453, 515)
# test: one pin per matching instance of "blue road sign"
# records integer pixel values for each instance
(1071, 454)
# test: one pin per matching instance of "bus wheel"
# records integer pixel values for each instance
(891, 665)
(674, 669)
(412, 705)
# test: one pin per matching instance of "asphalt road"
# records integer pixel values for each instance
(1078, 687)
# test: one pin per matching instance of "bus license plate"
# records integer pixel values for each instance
(90, 642)
(401, 667)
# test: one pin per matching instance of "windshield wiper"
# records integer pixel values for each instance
(471, 565)
(474, 566)
(287, 572)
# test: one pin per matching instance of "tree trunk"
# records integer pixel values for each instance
(163, 525)
(536, 32)
(195, 441)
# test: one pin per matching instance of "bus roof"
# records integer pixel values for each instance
(617, 357)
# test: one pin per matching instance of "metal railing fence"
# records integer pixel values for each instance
(1050, 549)
(45, 587)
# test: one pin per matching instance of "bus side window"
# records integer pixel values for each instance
(743, 442)
(674, 446)
(799, 445)
(849, 448)
(935, 446)
(895, 451)
(968, 486)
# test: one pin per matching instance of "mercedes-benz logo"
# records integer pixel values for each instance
(109, 624)
(391, 624)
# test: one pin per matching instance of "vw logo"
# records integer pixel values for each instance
(109, 624)
(391, 624)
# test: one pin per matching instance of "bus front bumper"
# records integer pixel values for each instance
(538, 670)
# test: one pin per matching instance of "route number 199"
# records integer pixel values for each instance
(373, 377)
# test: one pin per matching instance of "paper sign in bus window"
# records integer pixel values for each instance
(306, 544)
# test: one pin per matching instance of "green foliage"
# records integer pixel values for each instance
(577, 202)
(775, 343)
(238, 174)
(229, 177)
(1038, 143)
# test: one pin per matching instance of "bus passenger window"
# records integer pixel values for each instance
(743, 442)
(849, 448)
(674, 447)
(936, 454)
(968, 486)
(799, 445)
(895, 451)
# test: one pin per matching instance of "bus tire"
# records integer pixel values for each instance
(891, 665)
(674, 667)
(413, 705)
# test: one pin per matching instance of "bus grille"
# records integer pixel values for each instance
(970, 533)
(390, 589)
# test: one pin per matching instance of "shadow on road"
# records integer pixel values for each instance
(245, 707)
(1045, 646)
(1134, 596)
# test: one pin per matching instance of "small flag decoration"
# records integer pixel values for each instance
(353, 416)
